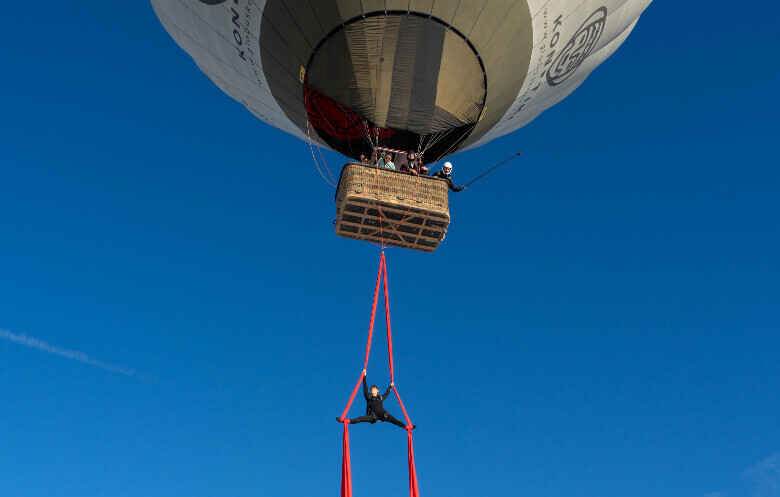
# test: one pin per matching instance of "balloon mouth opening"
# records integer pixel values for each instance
(400, 80)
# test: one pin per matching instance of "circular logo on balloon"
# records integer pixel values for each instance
(578, 49)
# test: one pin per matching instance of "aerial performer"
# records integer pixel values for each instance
(375, 411)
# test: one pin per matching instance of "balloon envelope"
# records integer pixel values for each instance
(436, 76)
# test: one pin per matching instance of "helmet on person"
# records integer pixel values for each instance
(446, 166)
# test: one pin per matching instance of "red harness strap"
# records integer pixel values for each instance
(346, 473)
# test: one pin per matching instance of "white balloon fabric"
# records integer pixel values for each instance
(431, 76)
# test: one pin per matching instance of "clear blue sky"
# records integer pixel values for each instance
(601, 321)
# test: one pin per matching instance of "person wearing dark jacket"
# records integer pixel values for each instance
(444, 174)
(375, 411)
(413, 165)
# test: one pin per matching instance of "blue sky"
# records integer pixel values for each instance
(602, 319)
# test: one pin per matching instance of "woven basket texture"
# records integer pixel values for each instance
(396, 188)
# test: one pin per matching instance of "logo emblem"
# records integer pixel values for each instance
(578, 49)
(212, 2)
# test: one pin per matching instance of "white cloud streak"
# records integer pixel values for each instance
(21, 339)
(766, 477)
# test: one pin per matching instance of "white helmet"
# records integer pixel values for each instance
(447, 165)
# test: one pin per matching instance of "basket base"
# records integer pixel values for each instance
(400, 226)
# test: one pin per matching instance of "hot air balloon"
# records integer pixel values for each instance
(431, 76)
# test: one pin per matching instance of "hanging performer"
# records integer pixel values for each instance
(375, 411)
(444, 174)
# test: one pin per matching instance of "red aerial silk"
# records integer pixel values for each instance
(346, 473)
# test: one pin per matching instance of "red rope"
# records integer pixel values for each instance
(368, 345)
(379, 209)
(346, 472)
(379, 206)
(390, 345)
(308, 121)
(414, 198)
(315, 159)
(323, 159)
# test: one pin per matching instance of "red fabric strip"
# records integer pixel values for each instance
(370, 334)
(413, 490)
(346, 471)
(390, 341)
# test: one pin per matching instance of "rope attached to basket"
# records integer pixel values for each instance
(346, 470)
(379, 208)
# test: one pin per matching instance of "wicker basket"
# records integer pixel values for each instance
(415, 210)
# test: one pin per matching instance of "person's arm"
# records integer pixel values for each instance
(387, 394)
(453, 187)
(365, 387)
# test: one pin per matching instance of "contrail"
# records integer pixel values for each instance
(34, 343)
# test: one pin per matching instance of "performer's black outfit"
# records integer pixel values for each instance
(375, 411)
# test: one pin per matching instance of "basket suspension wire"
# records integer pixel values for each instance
(315, 158)
(363, 130)
(319, 150)
(313, 131)
(344, 109)
(333, 128)
(454, 144)
(307, 100)
(433, 139)
(323, 116)
(380, 48)
(363, 127)
(436, 138)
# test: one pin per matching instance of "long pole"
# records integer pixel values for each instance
(494, 167)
